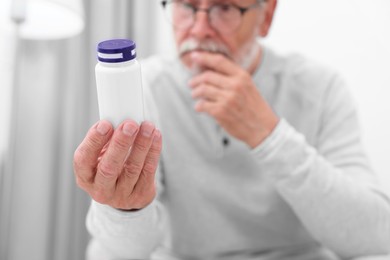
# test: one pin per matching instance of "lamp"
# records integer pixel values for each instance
(48, 19)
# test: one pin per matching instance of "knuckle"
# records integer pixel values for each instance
(132, 169)
(92, 142)
(108, 171)
(149, 168)
(142, 146)
(120, 144)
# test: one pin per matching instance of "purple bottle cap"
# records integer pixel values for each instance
(116, 50)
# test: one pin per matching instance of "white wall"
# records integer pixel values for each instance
(354, 38)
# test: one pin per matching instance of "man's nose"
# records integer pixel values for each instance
(202, 28)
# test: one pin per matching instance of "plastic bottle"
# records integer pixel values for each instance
(118, 82)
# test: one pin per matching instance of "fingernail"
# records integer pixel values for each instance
(129, 129)
(103, 127)
(147, 129)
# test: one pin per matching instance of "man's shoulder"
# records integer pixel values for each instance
(300, 73)
(300, 67)
(302, 82)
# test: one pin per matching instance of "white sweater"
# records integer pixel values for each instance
(307, 192)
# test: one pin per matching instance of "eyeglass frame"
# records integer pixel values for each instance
(242, 10)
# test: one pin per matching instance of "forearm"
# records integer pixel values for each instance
(124, 235)
(340, 208)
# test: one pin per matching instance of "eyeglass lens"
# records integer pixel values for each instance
(222, 17)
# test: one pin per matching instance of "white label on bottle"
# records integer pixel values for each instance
(110, 55)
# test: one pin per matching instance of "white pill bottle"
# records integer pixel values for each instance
(119, 82)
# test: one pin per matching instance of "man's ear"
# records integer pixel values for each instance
(268, 12)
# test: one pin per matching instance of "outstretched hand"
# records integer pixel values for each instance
(117, 168)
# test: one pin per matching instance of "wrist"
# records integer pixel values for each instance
(267, 127)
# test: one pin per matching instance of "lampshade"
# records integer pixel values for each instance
(48, 19)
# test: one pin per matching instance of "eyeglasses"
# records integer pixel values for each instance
(224, 18)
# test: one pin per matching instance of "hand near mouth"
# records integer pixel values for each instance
(226, 92)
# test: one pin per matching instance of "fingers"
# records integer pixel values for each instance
(210, 77)
(135, 162)
(86, 155)
(213, 109)
(145, 186)
(111, 164)
(216, 62)
(207, 92)
(210, 86)
(118, 168)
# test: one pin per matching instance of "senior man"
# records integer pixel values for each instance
(262, 157)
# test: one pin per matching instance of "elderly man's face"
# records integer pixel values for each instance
(219, 27)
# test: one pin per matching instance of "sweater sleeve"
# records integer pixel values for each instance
(117, 234)
(330, 187)
(124, 235)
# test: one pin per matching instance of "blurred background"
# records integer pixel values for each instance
(48, 96)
